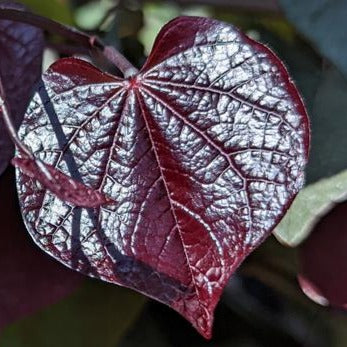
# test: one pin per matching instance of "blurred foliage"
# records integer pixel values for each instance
(329, 123)
(95, 315)
(90, 15)
(56, 9)
(263, 305)
(156, 16)
(323, 22)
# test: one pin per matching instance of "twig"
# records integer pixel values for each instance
(73, 34)
(10, 126)
(123, 64)
(67, 49)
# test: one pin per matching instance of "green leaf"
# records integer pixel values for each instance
(324, 24)
(310, 204)
(98, 314)
(58, 10)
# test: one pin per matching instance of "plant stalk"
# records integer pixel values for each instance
(10, 126)
(73, 34)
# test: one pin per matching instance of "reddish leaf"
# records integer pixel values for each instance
(29, 280)
(21, 48)
(202, 152)
(323, 275)
(61, 185)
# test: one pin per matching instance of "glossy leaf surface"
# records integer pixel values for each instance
(61, 185)
(59, 10)
(202, 152)
(21, 48)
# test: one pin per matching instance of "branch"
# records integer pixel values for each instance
(123, 64)
(11, 129)
(89, 41)
(63, 186)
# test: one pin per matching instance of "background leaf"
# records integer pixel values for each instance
(309, 206)
(328, 155)
(324, 23)
(97, 314)
(58, 10)
(89, 15)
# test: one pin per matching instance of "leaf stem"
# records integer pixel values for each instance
(120, 61)
(73, 34)
(10, 126)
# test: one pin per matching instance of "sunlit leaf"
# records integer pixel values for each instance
(202, 152)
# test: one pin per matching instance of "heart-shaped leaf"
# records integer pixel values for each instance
(21, 48)
(202, 152)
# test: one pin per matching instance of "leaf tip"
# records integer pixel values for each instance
(312, 292)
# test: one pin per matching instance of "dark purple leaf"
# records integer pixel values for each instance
(29, 280)
(323, 275)
(202, 153)
(61, 185)
(21, 48)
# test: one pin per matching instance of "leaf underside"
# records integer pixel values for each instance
(202, 152)
(21, 48)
